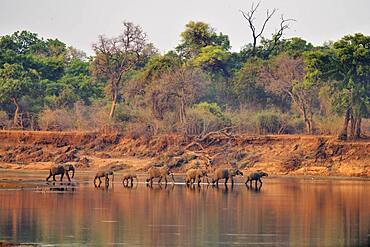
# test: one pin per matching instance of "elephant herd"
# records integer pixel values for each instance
(193, 175)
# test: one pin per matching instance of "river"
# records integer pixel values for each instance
(284, 212)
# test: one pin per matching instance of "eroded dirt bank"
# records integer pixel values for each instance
(277, 154)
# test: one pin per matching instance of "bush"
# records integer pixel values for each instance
(81, 117)
(205, 117)
(244, 121)
(5, 122)
(328, 125)
(269, 122)
(59, 119)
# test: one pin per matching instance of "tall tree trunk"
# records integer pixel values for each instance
(307, 119)
(310, 119)
(16, 113)
(357, 134)
(352, 126)
(113, 107)
(182, 111)
(343, 134)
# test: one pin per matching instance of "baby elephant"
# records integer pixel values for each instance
(223, 173)
(256, 176)
(101, 174)
(61, 170)
(161, 173)
(129, 177)
(193, 175)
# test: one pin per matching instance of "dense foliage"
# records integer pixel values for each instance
(278, 86)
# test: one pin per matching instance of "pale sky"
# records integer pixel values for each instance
(79, 22)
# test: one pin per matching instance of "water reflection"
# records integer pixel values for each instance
(283, 212)
(256, 188)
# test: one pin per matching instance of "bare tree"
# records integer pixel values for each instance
(116, 56)
(285, 75)
(279, 33)
(257, 34)
(176, 90)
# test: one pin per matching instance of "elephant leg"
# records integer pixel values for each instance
(69, 179)
(260, 180)
(47, 179)
(226, 179)
(256, 183)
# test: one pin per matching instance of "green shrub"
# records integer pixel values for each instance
(269, 122)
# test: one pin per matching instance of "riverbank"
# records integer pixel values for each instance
(282, 155)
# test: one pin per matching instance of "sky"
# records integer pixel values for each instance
(79, 22)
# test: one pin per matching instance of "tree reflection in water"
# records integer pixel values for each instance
(294, 212)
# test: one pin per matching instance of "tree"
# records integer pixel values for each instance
(116, 57)
(153, 70)
(213, 59)
(177, 90)
(285, 75)
(249, 16)
(15, 83)
(245, 84)
(198, 35)
(139, 89)
(75, 85)
(346, 67)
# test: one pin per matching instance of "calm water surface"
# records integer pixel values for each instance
(285, 212)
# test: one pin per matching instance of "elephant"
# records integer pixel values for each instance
(104, 173)
(224, 173)
(161, 173)
(129, 177)
(195, 175)
(256, 176)
(61, 170)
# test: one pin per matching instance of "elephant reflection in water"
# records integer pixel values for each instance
(106, 174)
(128, 179)
(61, 170)
(163, 187)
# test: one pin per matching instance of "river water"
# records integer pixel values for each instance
(284, 212)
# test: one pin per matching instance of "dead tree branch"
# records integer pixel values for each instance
(250, 17)
(256, 35)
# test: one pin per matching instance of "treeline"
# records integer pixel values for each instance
(273, 85)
